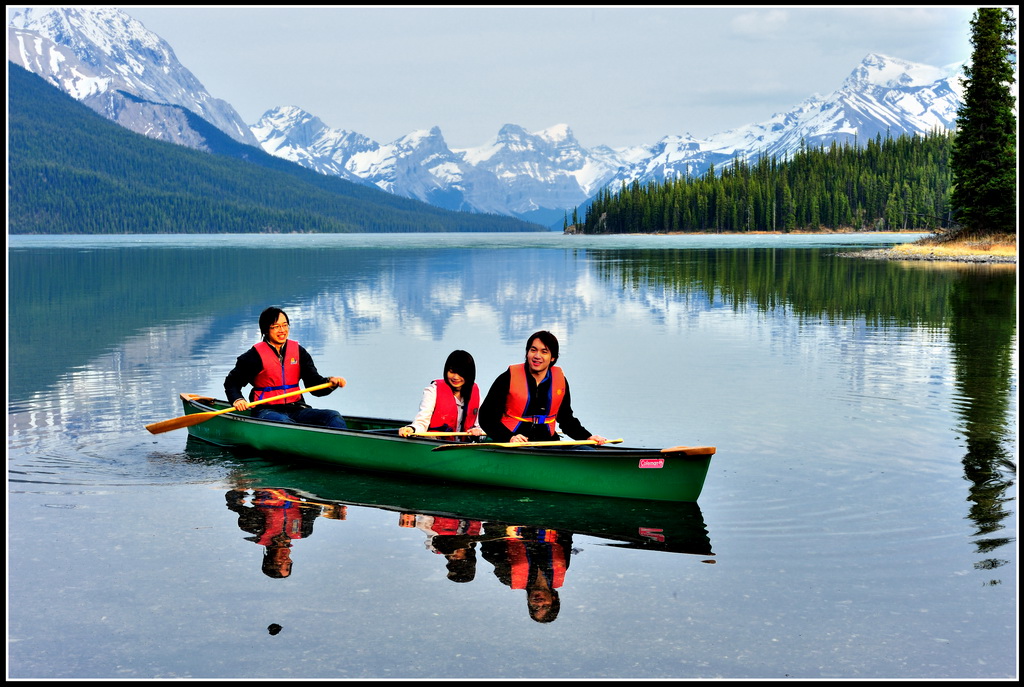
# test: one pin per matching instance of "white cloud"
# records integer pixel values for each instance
(760, 23)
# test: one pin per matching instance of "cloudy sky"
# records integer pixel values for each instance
(617, 75)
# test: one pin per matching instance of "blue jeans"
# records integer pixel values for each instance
(303, 415)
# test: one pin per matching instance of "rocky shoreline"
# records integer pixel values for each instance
(890, 254)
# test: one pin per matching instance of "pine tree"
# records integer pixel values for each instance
(984, 155)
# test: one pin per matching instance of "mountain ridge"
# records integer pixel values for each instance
(545, 174)
(73, 171)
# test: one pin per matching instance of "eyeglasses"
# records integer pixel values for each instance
(278, 327)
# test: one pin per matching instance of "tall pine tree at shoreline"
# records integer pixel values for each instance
(984, 156)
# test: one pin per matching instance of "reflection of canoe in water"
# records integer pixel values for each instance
(629, 523)
(670, 474)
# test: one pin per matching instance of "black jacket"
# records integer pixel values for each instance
(493, 407)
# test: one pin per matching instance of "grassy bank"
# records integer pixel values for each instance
(939, 250)
(937, 247)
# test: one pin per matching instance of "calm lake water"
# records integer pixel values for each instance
(858, 521)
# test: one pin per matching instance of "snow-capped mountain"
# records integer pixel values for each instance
(294, 134)
(546, 164)
(506, 175)
(419, 165)
(882, 96)
(539, 176)
(108, 60)
(112, 63)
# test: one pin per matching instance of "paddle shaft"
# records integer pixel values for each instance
(441, 434)
(302, 502)
(524, 444)
(197, 418)
(691, 450)
(296, 499)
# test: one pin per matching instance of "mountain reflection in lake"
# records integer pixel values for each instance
(862, 503)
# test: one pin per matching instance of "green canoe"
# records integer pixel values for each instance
(669, 474)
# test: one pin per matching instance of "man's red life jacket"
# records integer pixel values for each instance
(553, 565)
(446, 410)
(281, 515)
(278, 376)
(519, 398)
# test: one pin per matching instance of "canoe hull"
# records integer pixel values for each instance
(372, 444)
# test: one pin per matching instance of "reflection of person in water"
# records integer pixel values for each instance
(451, 537)
(275, 518)
(534, 559)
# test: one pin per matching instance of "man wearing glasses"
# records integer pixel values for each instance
(275, 366)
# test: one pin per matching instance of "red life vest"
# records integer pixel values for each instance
(519, 398)
(553, 566)
(278, 376)
(446, 410)
(445, 526)
(281, 515)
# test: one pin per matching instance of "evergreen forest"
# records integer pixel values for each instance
(889, 184)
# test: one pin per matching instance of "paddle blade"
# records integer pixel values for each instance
(196, 418)
(691, 450)
(179, 422)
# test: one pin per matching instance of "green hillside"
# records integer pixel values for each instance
(71, 171)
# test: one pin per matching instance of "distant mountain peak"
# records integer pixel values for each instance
(511, 131)
(891, 72)
(421, 137)
(86, 30)
(120, 54)
(557, 133)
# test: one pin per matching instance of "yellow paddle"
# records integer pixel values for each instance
(441, 434)
(523, 444)
(196, 418)
(690, 450)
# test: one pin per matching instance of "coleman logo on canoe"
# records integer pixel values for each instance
(652, 462)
